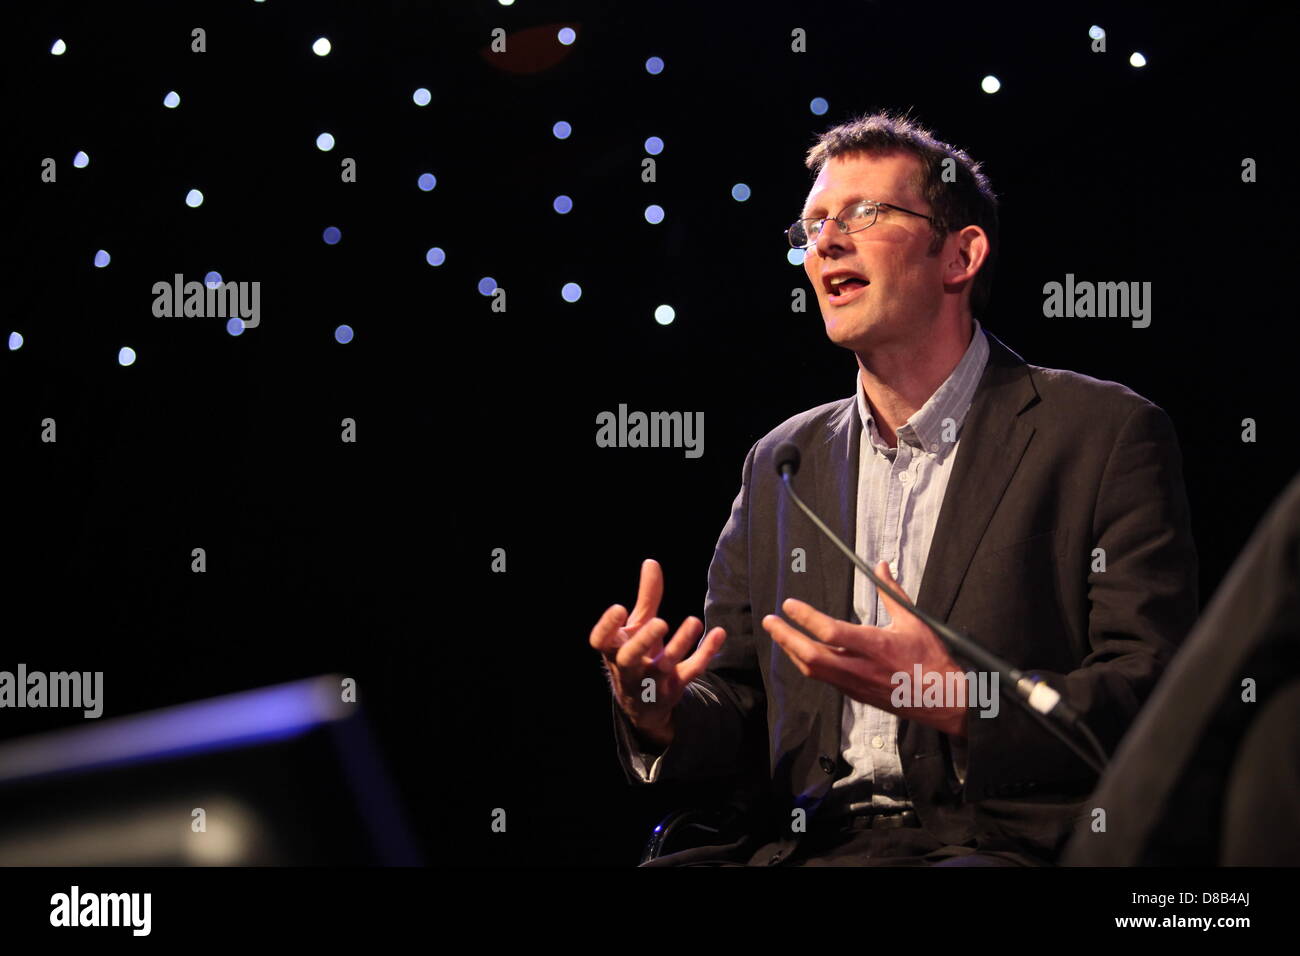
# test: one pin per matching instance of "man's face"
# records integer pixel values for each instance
(903, 292)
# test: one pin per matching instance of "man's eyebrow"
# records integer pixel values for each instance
(818, 210)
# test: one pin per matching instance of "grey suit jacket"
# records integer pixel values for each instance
(1052, 465)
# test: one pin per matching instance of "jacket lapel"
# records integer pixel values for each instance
(836, 465)
(994, 440)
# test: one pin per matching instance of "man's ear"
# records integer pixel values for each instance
(968, 250)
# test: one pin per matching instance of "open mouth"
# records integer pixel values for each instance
(842, 290)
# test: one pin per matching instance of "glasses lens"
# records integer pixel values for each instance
(858, 217)
(799, 234)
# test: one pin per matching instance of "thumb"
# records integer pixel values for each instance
(891, 605)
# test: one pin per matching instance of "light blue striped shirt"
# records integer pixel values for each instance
(900, 492)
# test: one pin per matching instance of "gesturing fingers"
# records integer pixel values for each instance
(642, 647)
(837, 634)
(649, 595)
(812, 659)
(895, 610)
(682, 642)
(608, 636)
(695, 665)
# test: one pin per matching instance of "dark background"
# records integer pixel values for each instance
(475, 428)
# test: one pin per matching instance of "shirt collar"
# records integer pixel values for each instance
(925, 428)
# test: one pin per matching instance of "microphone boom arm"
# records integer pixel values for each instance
(1037, 697)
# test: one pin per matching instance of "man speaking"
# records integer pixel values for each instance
(1038, 511)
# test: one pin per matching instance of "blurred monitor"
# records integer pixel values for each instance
(283, 775)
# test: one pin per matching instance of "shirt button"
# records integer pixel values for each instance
(826, 763)
(893, 569)
(934, 446)
(877, 741)
(905, 477)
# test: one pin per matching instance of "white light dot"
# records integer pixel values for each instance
(172, 100)
(562, 130)
(343, 334)
(655, 65)
(819, 106)
(235, 326)
(664, 315)
(1096, 32)
(654, 145)
(795, 256)
(102, 258)
(194, 199)
(212, 280)
(506, 3)
(740, 192)
(15, 341)
(562, 204)
(81, 160)
(325, 142)
(126, 355)
(571, 292)
(990, 84)
(1137, 59)
(426, 181)
(422, 97)
(59, 48)
(566, 36)
(435, 256)
(321, 47)
(654, 214)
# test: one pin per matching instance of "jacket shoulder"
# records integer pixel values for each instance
(813, 424)
(1087, 400)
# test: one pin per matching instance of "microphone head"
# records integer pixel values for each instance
(787, 459)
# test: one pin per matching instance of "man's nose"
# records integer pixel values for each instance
(830, 237)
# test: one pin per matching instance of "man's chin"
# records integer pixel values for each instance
(845, 332)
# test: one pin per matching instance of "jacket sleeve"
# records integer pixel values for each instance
(720, 722)
(1141, 607)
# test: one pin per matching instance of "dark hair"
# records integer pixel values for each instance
(968, 200)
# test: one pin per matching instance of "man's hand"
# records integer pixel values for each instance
(633, 649)
(861, 660)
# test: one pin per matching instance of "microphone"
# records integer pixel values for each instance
(787, 459)
(1031, 691)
